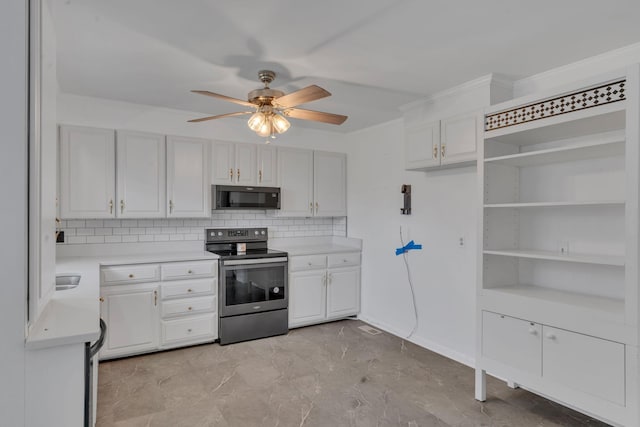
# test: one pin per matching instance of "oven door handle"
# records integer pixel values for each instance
(254, 261)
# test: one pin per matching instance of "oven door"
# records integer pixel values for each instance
(253, 285)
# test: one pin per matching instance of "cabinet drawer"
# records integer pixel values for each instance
(189, 328)
(591, 365)
(188, 287)
(513, 342)
(344, 260)
(135, 273)
(309, 262)
(187, 270)
(189, 306)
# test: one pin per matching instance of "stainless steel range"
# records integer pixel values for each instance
(253, 288)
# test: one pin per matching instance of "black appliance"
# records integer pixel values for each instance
(90, 375)
(253, 284)
(239, 197)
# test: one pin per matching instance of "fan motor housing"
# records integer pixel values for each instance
(263, 96)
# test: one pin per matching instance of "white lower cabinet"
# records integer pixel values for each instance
(131, 313)
(591, 365)
(553, 358)
(319, 292)
(146, 313)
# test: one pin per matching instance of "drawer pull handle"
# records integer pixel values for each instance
(189, 290)
(190, 308)
(533, 331)
(190, 272)
(131, 276)
(551, 336)
(345, 260)
(310, 263)
(101, 299)
(189, 330)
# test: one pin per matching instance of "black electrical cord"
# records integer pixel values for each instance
(413, 294)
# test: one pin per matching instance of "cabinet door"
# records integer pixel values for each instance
(267, 166)
(513, 342)
(458, 139)
(295, 174)
(422, 145)
(591, 365)
(307, 297)
(87, 172)
(141, 175)
(343, 292)
(223, 166)
(330, 184)
(246, 164)
(187, 177)
(131, 315)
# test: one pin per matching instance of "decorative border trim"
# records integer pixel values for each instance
(588, 98)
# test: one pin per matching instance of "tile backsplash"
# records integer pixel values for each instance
(83, 231)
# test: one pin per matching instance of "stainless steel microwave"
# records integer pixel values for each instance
(239, 197)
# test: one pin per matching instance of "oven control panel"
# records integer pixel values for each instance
(229, 235)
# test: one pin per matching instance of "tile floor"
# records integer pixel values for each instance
(329, 375)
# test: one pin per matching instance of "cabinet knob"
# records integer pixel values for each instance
(190, 272)
(190, 308)
(310, 263)
(131, 276)
(101, 299)
(189, 330)
(189, 290)
(345, 260)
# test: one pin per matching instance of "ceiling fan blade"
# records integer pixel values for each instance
(316, 116)
(224, 97)
(302, 96)
(204, 119)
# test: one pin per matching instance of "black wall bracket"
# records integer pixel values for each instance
(406, 190)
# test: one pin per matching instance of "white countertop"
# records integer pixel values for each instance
(73, 316)
(316, 245)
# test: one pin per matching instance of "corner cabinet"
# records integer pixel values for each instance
(313, 183)
(323, 287)
(443, 143)
(187, 177)
(557, 295)
(87, 172)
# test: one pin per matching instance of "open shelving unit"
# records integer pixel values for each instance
(558, 249)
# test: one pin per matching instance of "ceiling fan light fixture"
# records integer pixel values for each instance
(266, 129)
(280, 124)
(257, 121)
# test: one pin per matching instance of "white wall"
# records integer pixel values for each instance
(443, 273)
(105, 113)
(13, 193)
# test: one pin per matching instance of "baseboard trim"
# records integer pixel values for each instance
(422, 342)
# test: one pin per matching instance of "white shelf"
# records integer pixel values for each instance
(611, 146)
(612, 260)
(604, 118)
(613, 308)
(556, 204)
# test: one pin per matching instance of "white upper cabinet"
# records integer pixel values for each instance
(140, 175)
(187, 177)
(329, 184)
(295, 175)
(267, 166)
(246, 169)
(87, 172)
(233, 164)
(458, 139)
(442, 143)
(422, 145)
(223, 163)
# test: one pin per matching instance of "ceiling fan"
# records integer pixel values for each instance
(271, 107)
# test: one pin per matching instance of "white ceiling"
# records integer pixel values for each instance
(372, 55)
